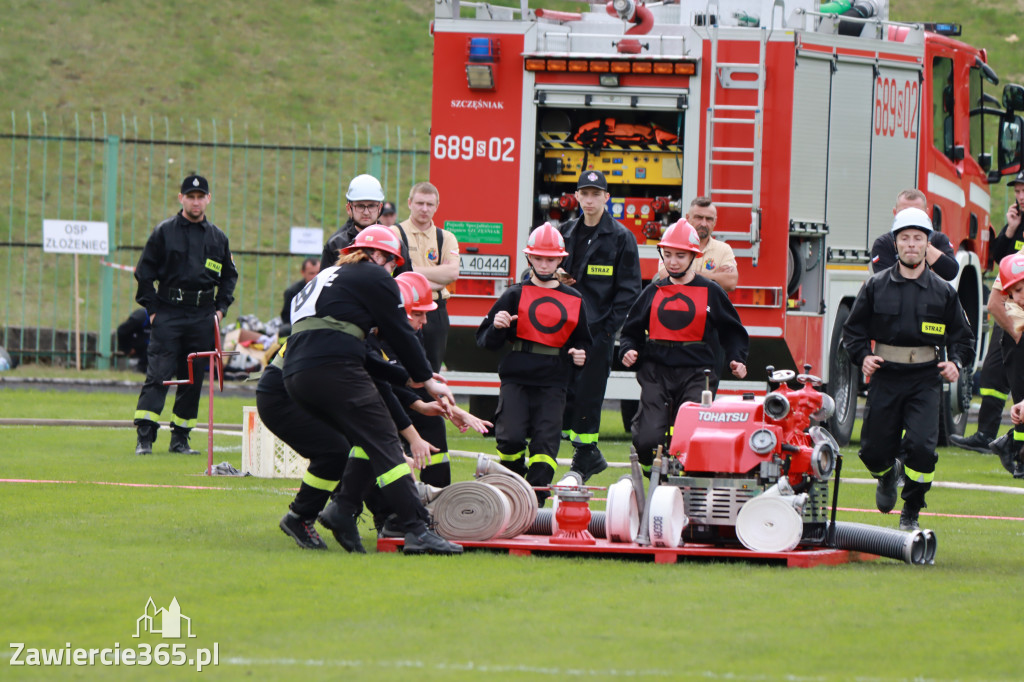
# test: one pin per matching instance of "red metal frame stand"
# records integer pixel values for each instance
(216, 356)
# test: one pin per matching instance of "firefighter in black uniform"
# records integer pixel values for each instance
(921, 335)
(669, 335)
(604, 267)
(363, 201)
(546, 322)
(1005, 305)
(191, 258)
(995, 384)
(325, 374)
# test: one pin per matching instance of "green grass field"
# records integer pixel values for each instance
(80, 556)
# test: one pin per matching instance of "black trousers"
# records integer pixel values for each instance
(1013, 361)
(177, 331)
(585, 397)
(903, 402)
(529, 417)
(662, 390)
(995, 386)
(324, 447)
(342, 395)
(435, 334)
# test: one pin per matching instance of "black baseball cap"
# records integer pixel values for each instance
(388, 208)
(1017, 180)
(592, 178)
(195, 183)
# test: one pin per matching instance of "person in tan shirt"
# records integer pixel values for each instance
(435, 254)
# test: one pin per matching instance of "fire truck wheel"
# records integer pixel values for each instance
(843, 382)
(954, 408)
(628, 408)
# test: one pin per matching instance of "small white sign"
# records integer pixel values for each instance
(307, 241)
(76, 236)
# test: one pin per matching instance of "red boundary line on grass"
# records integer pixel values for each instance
(127, 485)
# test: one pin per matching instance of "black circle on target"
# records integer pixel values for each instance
(563, 315)
(676, 318)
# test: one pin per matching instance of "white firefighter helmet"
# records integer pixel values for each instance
(912, 219)
(365, 188)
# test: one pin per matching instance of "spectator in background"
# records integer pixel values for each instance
(363, 203)
(133, 339)
(939, 255)
(387, 214)
(310, 268)
(435, 255)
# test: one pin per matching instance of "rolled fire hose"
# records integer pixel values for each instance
(622, 515)
(522, 501)
(667, 518)
(470, 511)
(771, 523)
(911, 547)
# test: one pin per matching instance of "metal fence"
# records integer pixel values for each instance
(127, 173)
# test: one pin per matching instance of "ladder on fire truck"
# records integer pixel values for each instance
(736, 75)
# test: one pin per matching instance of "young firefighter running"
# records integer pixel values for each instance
(546, 322)
(325, 374)
(666, 336)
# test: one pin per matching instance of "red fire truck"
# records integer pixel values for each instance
(801, 121)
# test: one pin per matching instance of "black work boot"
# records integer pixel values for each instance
(908, 517)
(179, 442)
(1007, 449)
(303, 531)
(343, 526)
(978, 442)
(146, 434)
(588, 461)
(429, 542)
(886, 491)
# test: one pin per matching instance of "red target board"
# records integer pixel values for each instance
(547, 316)
(678, 313)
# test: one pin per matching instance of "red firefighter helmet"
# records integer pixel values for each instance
(681, 236)
(377, 237)
(423, 295)
(546, 241)
(1011, 271)
(408, 296)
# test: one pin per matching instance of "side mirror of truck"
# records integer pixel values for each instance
(1013, 98)
(1010, 129)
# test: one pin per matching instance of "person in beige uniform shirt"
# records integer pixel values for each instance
(718, 262)
(435, 254)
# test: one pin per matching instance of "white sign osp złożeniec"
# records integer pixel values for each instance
(76, 236)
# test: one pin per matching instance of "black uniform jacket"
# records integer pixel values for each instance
(1003, 246)
(363, 294)
(345, 236)
(289, 294)
(893, 310)
(607, 272)
(184, 255)
(883, 255)
(721, 317)
(527, 368)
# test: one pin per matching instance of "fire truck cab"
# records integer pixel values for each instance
(801, 120)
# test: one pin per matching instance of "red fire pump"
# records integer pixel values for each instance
(727, 453)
